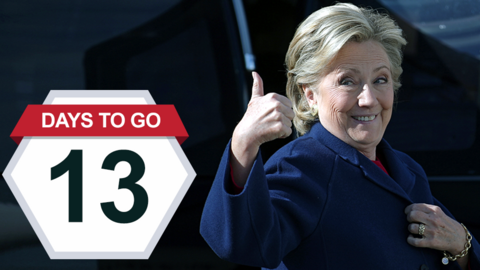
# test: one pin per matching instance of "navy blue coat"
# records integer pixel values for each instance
(318, 203)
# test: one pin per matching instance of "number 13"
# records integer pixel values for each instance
(73, 164)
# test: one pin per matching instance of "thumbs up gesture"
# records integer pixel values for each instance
(267, 118)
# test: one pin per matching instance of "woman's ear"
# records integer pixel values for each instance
(309, 95)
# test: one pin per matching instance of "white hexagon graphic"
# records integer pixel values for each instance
(167, 177)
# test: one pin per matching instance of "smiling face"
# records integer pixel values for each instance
(355, 96)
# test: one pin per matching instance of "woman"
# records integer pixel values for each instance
(338, 197)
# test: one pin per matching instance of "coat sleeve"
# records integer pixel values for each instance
(474, 252)
(276, 210)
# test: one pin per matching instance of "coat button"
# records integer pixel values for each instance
(424, 267)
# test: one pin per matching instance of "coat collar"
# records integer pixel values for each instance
(401, 180)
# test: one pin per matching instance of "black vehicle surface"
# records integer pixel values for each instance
(198, 55)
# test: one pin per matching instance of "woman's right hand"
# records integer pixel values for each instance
(267, 118)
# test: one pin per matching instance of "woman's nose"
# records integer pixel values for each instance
(367, 97)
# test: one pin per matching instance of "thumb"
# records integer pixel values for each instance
(257, 88)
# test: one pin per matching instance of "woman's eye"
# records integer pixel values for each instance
(382, 80)
(346, 82)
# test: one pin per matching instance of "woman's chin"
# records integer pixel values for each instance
(366, 139)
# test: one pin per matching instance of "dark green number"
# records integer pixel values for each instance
(73, 165)
(130, 182)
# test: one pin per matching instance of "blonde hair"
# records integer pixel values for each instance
(318, 40)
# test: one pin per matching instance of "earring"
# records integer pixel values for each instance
(314, 110)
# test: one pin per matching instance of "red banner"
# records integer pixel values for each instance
(99, 121)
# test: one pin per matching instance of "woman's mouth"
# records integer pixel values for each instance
(364, 118)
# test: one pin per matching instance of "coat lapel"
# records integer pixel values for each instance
(401, 179)
(399, 171)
